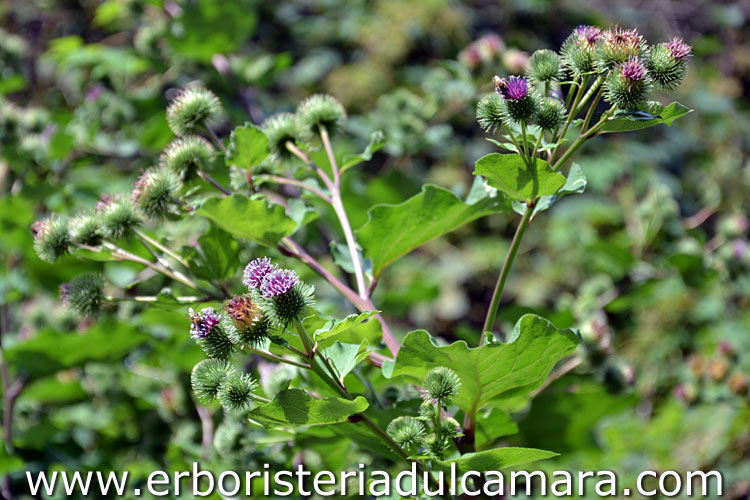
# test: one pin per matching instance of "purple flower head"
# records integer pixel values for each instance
(94, 93)
(104, 201)
(278, 283)
(139, 185)
(38, 227)
(203, 322)
(727, 349)
(679, 49)
(514, 88)
(622, 38)
(633, 70)
(588, 36)
(739, 248)
(256, 270)
(65, 293)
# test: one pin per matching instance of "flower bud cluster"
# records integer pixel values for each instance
(84, 294)
(721, 375)
(315, 115)
(52, 238)
(275, 298)
(619, 59)
(154, 192)
(281, 294)
(214, 379)
(431, 432)
(193, 109)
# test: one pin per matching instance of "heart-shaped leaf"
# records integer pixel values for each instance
(495, 369)
(519, 178)
(248, 146)
(574, 184)
(338, 326)
(395, 230)
(295, 407)
(497, 459)
(251, 219)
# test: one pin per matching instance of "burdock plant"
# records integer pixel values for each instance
(601, 81)
(615, 65)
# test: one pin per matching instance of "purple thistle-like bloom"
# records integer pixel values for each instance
(514, 88)
(104, 201)
(203, 322)
(679, 49)
(256, 270)
(278, 283)
(633, 70)
(65, 293)
(588, 36)
(619, 37)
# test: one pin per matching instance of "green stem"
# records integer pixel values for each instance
(513, 139)
(585, 135)
(292, 148)
(297, 183)
(525, 139)
(161, 247)
(538, 143)
(314, 366)
(214, 182)
(307, 342)
(572, 92)
(276, 358)
(338, 207)
(571, 114)
(121, 254)
(512, 251)
(572, 149)
(592, 108)
(216, 139)
(400, 451)
(260, 399)
(588, 95)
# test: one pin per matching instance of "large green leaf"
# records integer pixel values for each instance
(497, 459)
(492, 425)
(486, 372)
(395, 230)
(574, 184)
(655, 114)
(51, 351)
(345, 357)
(518, 178)
(252, 219)
(337, 326)
(293, 407)
(215, 257)
(248, 146)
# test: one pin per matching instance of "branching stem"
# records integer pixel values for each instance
(338, 207)
(161, 247)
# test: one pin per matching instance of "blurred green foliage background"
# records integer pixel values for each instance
(651, 263)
